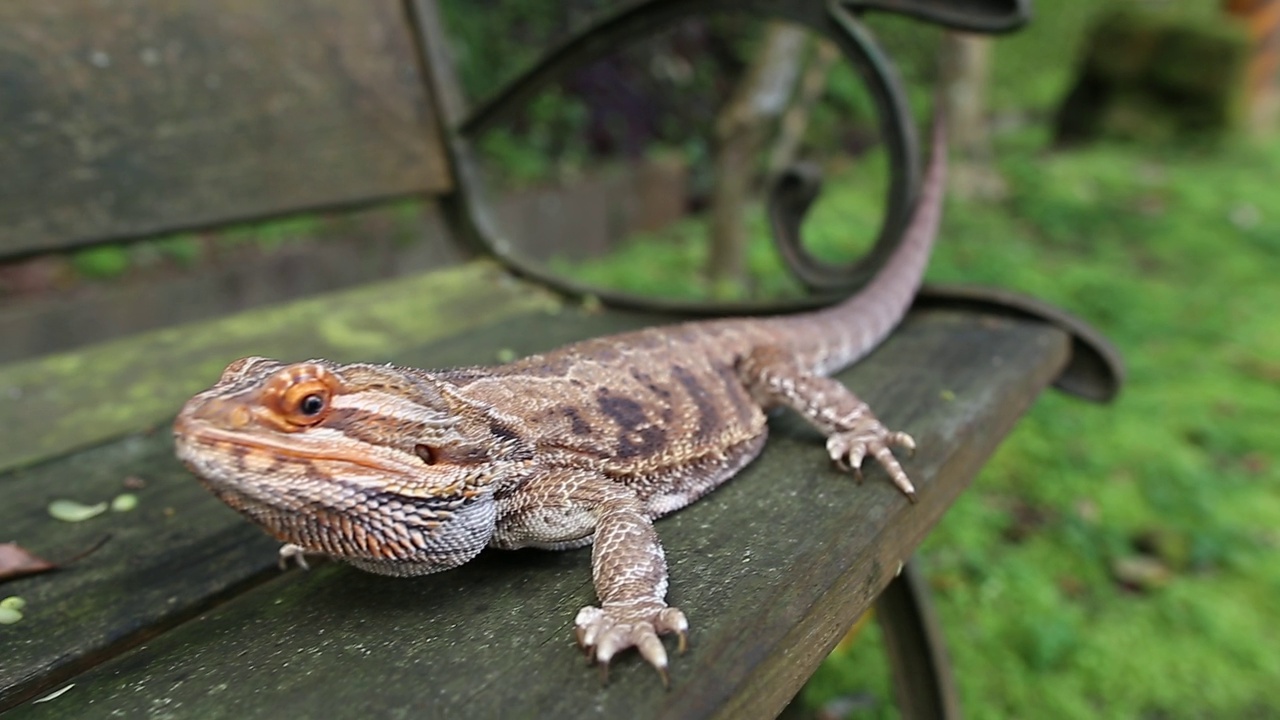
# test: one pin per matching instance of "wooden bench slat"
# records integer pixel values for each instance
(169, 116)
(51, 405)
(771, 569)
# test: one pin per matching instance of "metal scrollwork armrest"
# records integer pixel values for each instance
(835, 19)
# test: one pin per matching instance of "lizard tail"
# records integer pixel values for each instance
(851, 329)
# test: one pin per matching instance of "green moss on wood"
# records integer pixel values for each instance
(55, 404)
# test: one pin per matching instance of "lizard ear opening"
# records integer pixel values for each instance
(426, 452)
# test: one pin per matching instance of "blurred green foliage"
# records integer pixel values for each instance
(188, 249)
(101, 262)
(273, 234)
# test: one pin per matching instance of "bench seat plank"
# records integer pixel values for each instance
(51, 405)
(770, 569)
(133, 117)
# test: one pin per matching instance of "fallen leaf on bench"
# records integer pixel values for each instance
(11, 609)
(124, 502)
(72, 511)
(16, 562)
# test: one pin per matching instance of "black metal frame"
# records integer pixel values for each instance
(922, 680)
(835, 19)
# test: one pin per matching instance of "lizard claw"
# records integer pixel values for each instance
(296, 553)
(603, 632)
(849, 448)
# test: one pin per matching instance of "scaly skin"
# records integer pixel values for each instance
(405, 472)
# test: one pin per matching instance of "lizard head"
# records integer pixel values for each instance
(376, 465)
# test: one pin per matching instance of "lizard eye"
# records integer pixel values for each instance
(311, 405)
(301, 395)
(305, 402)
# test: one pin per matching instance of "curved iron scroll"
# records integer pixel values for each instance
(835, 19)
(1095, 371)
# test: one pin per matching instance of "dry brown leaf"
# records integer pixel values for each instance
(16, 562)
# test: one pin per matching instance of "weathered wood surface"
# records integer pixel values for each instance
(339, 250)
(51, 405)
(169, 115)
(771, 569)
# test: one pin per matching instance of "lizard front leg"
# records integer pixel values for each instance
(571, 507)
(853, 432)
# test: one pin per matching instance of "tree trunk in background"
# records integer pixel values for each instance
(796, 119)
(760, 97)
(966, 73)
(1262, 83)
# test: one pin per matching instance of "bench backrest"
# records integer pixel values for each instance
(167, 117)
(131, 120)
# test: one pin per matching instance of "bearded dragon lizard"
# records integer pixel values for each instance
(403, 471)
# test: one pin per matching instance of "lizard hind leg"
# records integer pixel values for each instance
(853, 432)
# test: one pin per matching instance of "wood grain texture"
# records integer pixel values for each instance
(337, 249)
(51, 405)
(171, 115)
(344, 250)
(771, 568)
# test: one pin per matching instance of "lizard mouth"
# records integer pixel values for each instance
(191, 434)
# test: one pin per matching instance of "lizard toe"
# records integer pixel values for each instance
(604, 632)
(849, 448)
(292, 553)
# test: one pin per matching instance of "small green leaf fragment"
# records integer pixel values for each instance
(72, 511)
(13, 602)
(9, 616)
(506, 355)
(948, 395)
(124, 502)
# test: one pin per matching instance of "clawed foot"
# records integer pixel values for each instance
(849, 448)
(602, 632)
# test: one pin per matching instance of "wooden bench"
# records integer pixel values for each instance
(206, 115)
